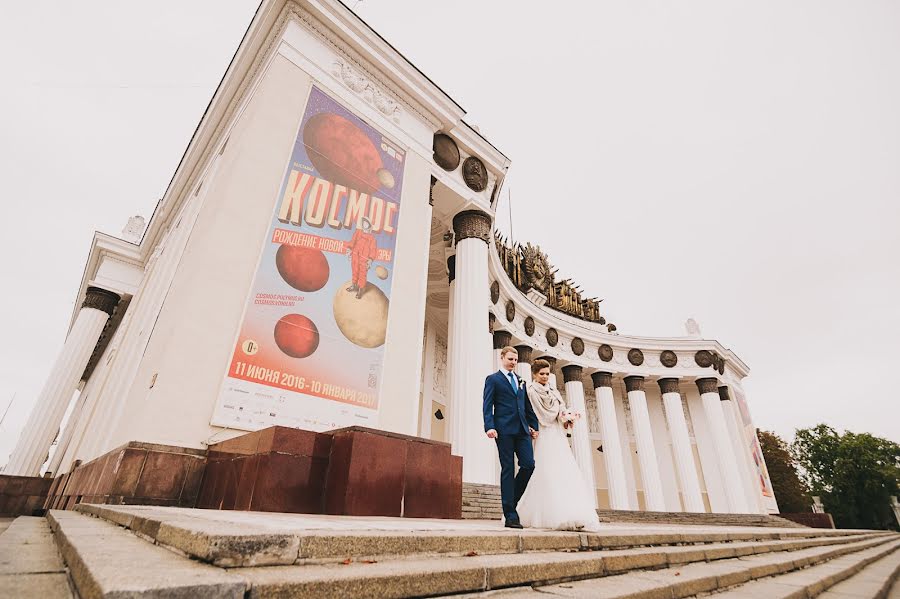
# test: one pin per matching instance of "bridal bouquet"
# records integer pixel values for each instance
(568, 417)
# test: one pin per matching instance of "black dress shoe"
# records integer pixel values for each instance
(510, 524)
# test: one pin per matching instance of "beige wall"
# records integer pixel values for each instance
(191, 342)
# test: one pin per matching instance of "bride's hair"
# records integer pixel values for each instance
(539, 364)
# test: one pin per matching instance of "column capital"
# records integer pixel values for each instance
(571, 372)
(602, 379)
(723, 393)
(101, 299)
(708, 385)
(551, 360)
(634, 383)
(525, 353)
(668, 385)
(472, 224)
(502, 339)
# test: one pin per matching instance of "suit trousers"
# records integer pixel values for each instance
(512, 485)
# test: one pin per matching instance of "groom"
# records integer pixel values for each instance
(510, 421)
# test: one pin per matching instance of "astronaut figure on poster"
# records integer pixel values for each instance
(362, 250)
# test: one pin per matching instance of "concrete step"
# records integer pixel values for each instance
(812, 581)
(874, 581)
(796, 575)
(693, 518)
(231, 539)
(30, 565)
(107, 561)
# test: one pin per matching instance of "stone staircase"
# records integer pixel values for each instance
(482, 502)
(146, 551)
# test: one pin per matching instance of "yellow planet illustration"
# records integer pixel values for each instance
(381, 272)
(385, 178)
(362, 320)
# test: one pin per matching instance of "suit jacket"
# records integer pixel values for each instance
(506, 411)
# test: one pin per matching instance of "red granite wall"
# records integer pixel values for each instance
(810, 519)
(22, 495)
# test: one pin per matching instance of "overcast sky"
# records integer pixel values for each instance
(735, 162)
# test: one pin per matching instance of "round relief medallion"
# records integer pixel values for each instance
(474, 174)
(552, 337)
(703, 358)
(446, 152)
(605, 352)
(495, 292)
(510, 310)
(577, 346)
(668, 358)
(529, 326)
(636, 357)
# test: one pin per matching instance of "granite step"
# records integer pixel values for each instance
(30, 564)
(231, 539)
(795, 575)
(107, 561)
(874, 581)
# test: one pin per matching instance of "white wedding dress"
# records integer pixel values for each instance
(556, 496)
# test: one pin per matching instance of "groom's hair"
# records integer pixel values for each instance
(507, 350)
(539, 364)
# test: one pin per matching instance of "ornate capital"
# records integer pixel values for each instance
(525, 353)
(451, 269)
(636, 357)
(492, 320)
(602, 379)
(472, 224)
(668, 386)
(708, 386)
(502, 339)
(551, 360)
(571, 373)
(634, 383)
(723, 393)
(101, 299)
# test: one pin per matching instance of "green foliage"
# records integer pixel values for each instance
(855, 475)
(791, 493)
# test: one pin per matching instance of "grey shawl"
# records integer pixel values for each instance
(546, 402)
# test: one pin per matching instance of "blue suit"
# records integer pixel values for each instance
(509, 412)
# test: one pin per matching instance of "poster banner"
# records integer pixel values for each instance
(762, 473)
(309, 349)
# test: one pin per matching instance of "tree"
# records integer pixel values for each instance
(791, 493)
(855, 474)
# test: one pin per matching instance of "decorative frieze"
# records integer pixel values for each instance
(708, 385)
(529, 326)
(668, 358)
(635, 357)
(510, 310)
(363, 87)
(668, 386)
(634, 383)
(552, 337)
(577, 346)
(472, 224)
(703, 358)
(605, 352)
(601, 379)
(571, 372)
(475, 174)
(495, 292)
(446, 152)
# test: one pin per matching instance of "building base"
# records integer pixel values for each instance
(23, 495)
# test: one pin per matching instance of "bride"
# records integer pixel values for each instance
(557, 496)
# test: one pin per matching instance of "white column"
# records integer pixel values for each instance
(643, 436)
(427, 381)
(728, 467)
(752, 494)
(612, 444)
(681, 446)
(467, 369)
(46, 417)
(581, 438)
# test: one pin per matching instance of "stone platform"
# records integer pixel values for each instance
(147, 551)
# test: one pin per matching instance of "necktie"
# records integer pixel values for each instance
(512, 379)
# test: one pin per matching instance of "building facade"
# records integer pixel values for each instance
(325, 256)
